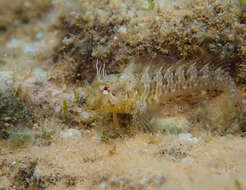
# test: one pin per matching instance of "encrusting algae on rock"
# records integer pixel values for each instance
(115, 31)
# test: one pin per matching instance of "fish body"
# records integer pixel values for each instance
(141, 87)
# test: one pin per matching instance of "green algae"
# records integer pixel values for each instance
(151, 5)
(65, 110)
(15, 112)
(242, 3)
(238, 185)
(171, 125)
(22, 137)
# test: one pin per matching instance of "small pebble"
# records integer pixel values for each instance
(187, 138)
(69, 133)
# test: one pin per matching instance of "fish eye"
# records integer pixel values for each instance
(105, 89)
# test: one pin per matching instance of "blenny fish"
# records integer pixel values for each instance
(143, 86)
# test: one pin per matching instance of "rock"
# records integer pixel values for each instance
(103, 186)
(187, 160)
(41, 75)
(69, 133)
(173, 125)
(29, 48)
(187, 138)
(13, 43)
(85, 115)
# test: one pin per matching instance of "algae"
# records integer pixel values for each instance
(14, 112)
(238, 185)
(151, 5)
(90, 34)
